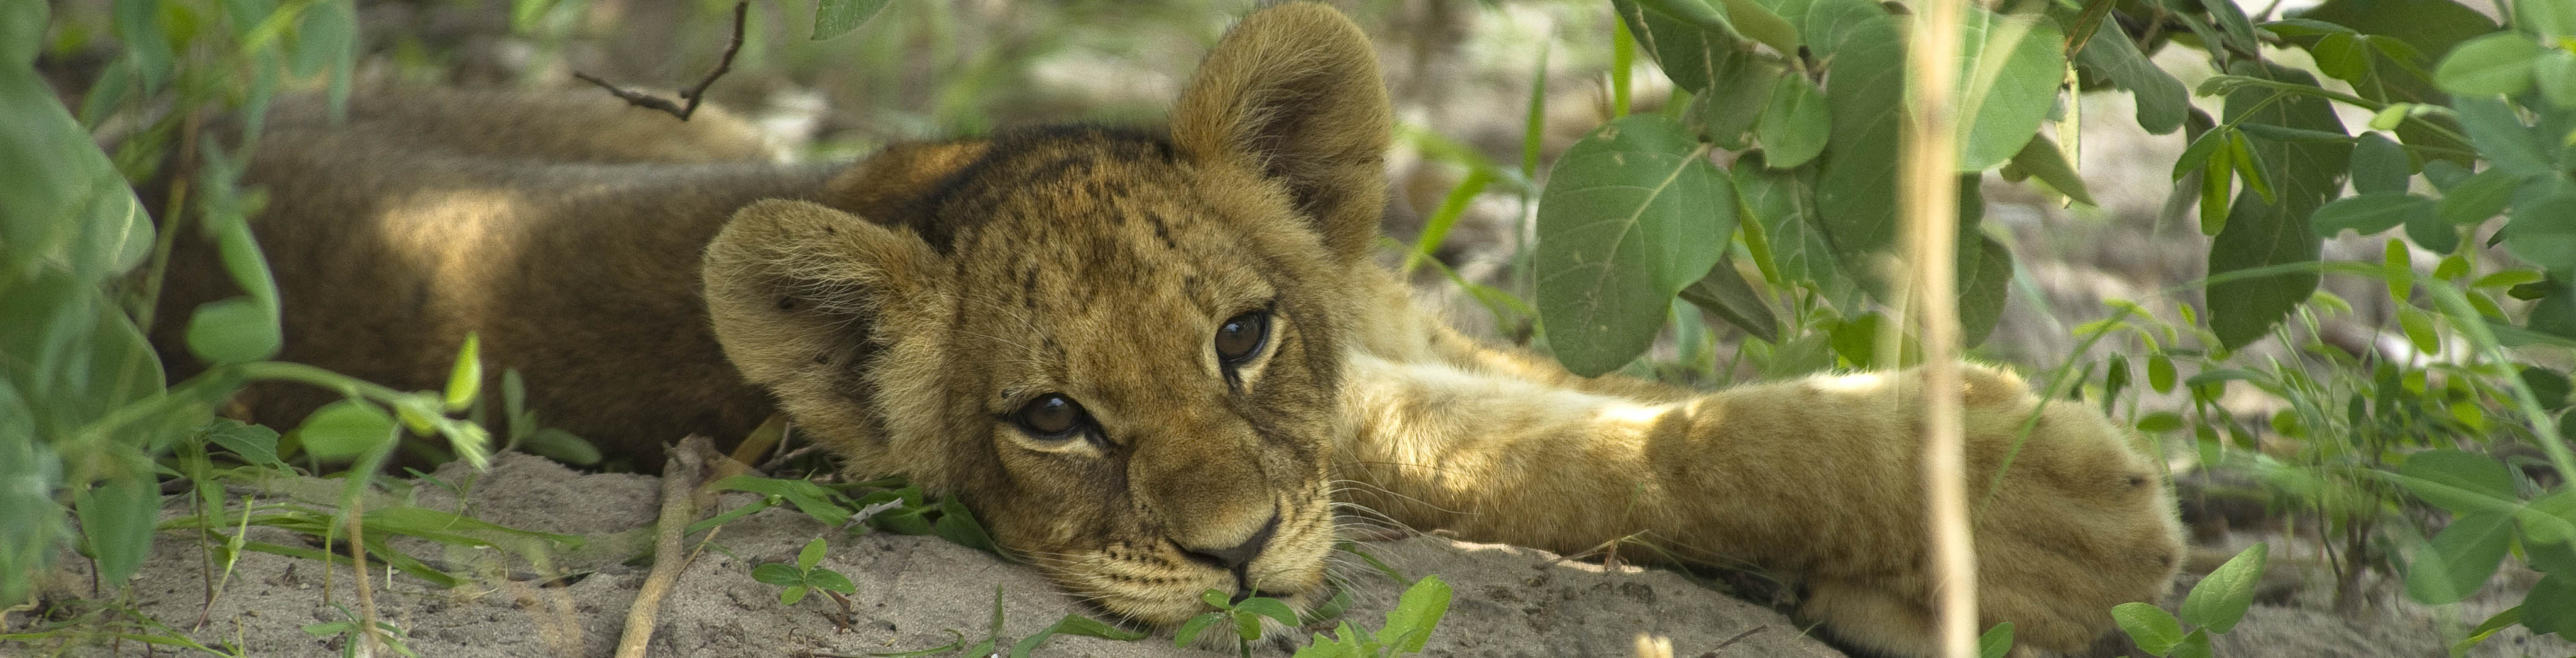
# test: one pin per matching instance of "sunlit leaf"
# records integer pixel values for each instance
(2460, 559)
(2220, 600)
(1631, 215)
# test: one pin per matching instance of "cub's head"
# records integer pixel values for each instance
(1118, 347)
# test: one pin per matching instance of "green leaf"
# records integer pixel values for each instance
(2543, 226)
(2370, 213)
(1072, 624)
(2042, 158)
(2220, 600)
(1725, 294)
(256, 445)
(778, 573)
(833, 18)
(2155, 630)
(1693, 57)
(233, 330)
(793, 594)
(346, 429)
(2494, 64)
(1759, 23)
(2500, 135)
(1696, 13)
(831, 581)
(465, 381)
(2160, 372)
(2008, 84)
(1982, 292)
(116, 519)
(2462, 482)
(1416, 614)
(1856, 181)
(1794, 127)
(2551, 605)
(2161, 100)
(1190, 630)
(2459, 560)
(2342, 56)
(958, 526)
(1783, 205)
(2475, 199)
(1829, 22)
(1269, 607)
(1631, 215)
(2555, 71)
(2260, 234)
(2379, 165)
(1996, 641)
(814, 500)
(2548, 19)
(810, 555)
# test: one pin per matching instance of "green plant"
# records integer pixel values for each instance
(2212, 608)
(794, 580)
(1245, 616)
(347, 629)
(1407, 628)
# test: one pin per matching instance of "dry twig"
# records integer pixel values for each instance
(680, 475)
(690, 97)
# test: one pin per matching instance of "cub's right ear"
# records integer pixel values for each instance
(796, 288)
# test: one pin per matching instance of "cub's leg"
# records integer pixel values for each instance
(1814, 479)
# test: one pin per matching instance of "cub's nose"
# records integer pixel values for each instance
(1234, 558)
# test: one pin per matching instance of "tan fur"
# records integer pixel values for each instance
(903, 309)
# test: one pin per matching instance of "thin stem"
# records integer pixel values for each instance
(1929, 181)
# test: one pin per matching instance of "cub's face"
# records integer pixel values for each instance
(1120, 349)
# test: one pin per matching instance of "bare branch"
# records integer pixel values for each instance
(690, 97)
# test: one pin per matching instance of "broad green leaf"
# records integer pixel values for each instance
(1416, 614)
(233, 330)
(1726, 294)
(833, 18)
(2161, 100)
(2369, 213)
(1693, 57)
(256, 445)
(1829, 22)
(2477, 198)
(2549, 19)
(1783, 205)
(1982, 290)
(1856, 181)
(1996, 641)
(2489, 65)
(2543, 227)
(793, 593)
(2550, 519)
(116, 519)
(1696, 13)
(810, 555)
(2008, 84)
(2501, 136)
(2459, 560)
(958, 526)
(2462, 482)
(2486, 629)
(1759, 23)
(1795, 125)
(1190, 630)
(2220, 600)
(2258, 234)
(2160, 372)
(778, 573)
(2155, 630)
(2042, 158)
(1631, 215)
(2379, 165)
(346, 429)
(2555, 73)
(2342, 56)
(831, 581)
(1269, 607)
(465, 380)
(2551, 605)
(814, 500)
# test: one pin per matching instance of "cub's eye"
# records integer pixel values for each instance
(1241, 337)
(1051, 416)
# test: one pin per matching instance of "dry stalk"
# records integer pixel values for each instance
(680, 474)
(1929, 183)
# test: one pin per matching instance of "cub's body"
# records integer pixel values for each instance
(1152, 361)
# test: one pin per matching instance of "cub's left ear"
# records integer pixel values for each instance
(1293, 93)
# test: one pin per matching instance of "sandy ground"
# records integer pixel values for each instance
(913, 592)
(921, 592)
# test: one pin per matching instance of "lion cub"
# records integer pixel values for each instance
(1152, 360)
